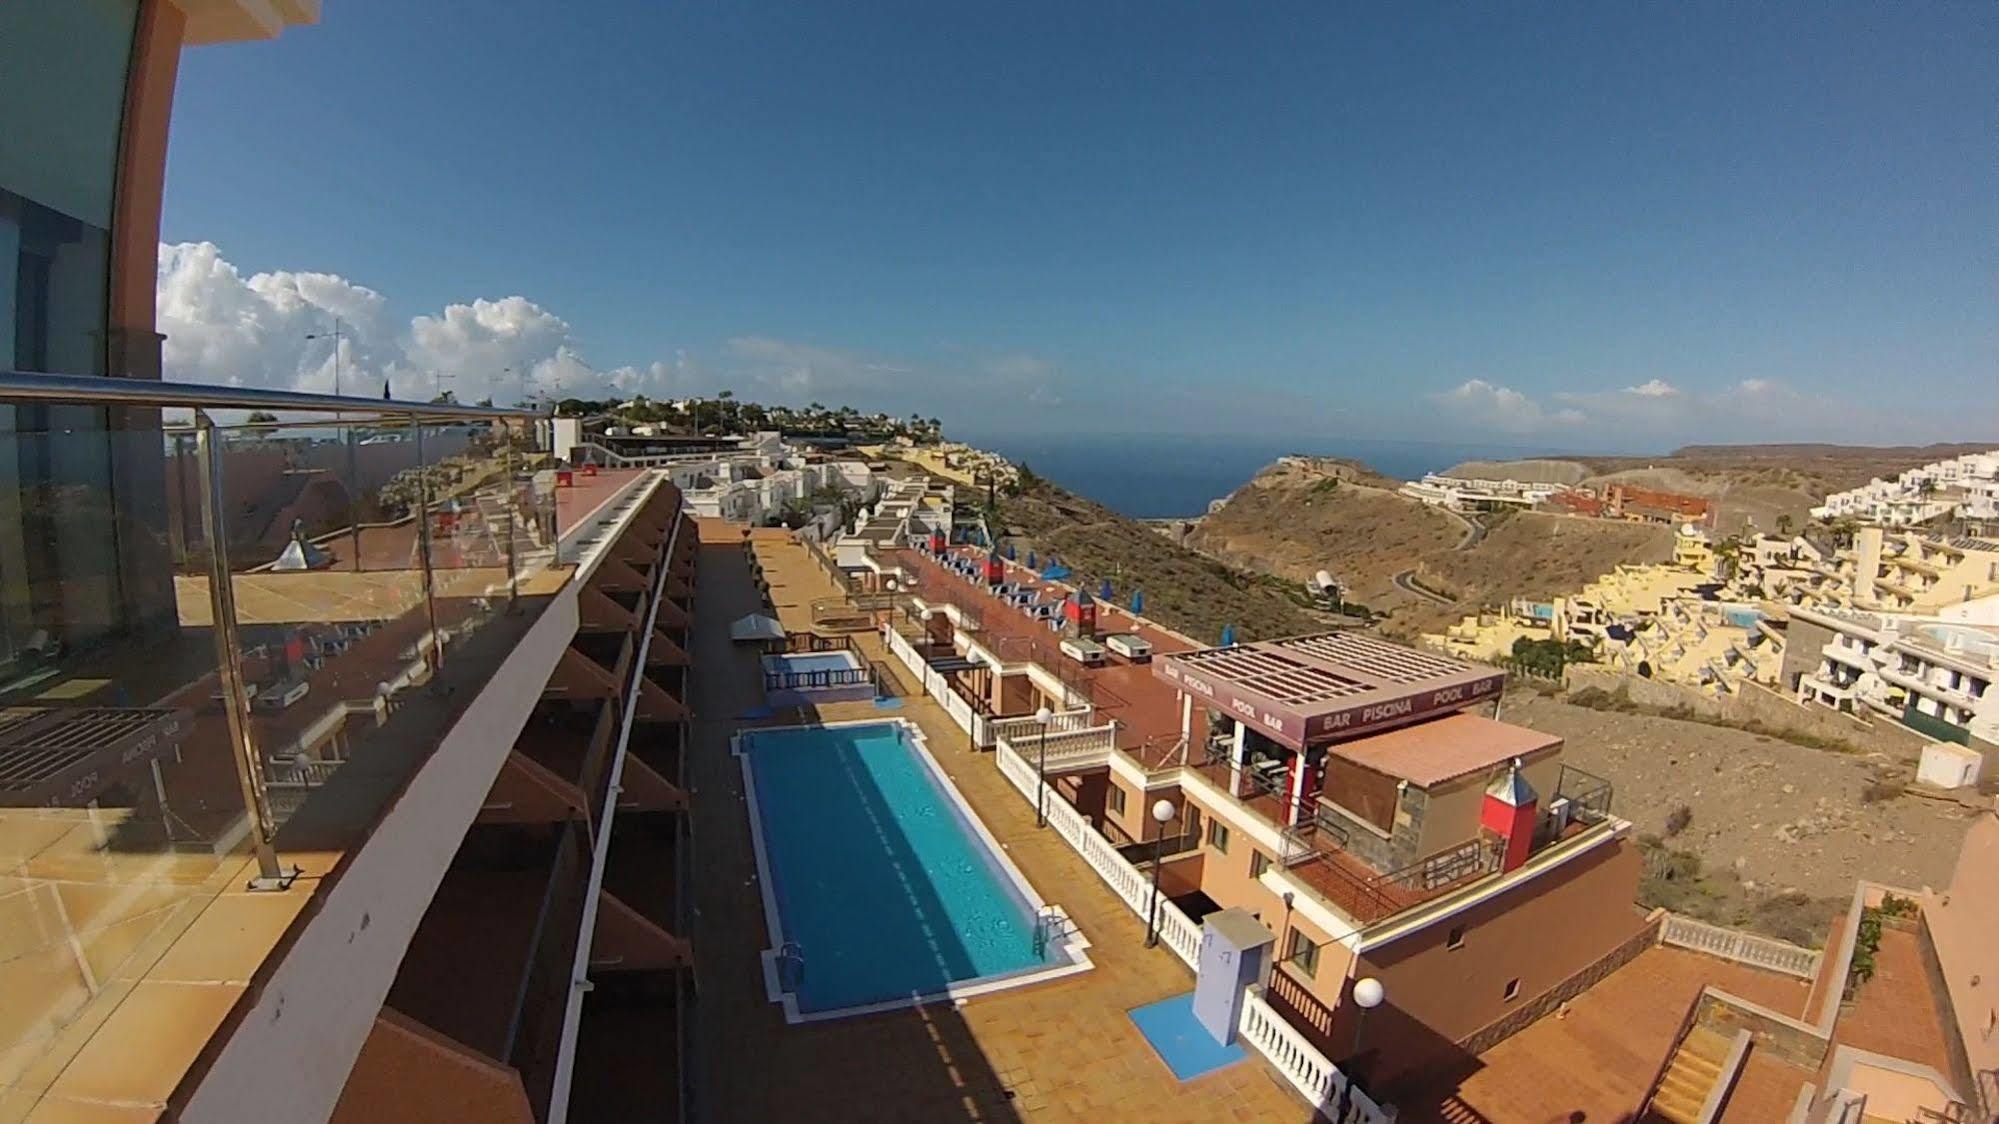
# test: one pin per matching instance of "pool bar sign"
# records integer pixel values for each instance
(1379, 710)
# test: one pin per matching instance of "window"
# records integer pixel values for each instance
(1116, 799)
(1258, 863)
(1218, 836)
(1304, 954)
(1513, 989)
(1457, 937)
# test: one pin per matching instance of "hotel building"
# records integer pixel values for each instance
(320, 826)
(1354, 795)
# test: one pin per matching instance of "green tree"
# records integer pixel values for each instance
(262, 424)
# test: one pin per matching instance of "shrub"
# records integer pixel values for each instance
(1878, 791)
(1678, 819)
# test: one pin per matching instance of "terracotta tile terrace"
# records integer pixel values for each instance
(1147, 710)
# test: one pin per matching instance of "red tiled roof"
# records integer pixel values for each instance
(1144, 707)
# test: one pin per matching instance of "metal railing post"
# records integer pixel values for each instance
(235, 696)
(423, 547)
(513, 519)
(353, 500)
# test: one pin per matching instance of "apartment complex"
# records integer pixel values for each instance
(1965, 486)
(754, 479)
(1342, 790)
(1933, 676)
(1478, 494)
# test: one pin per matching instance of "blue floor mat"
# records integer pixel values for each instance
(1182, 1043)
(888, 704)
(757, 712)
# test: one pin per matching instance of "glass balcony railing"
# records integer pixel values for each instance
(226, 642)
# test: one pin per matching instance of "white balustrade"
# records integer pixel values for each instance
(1745, 948)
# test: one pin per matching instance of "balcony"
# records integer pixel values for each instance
(1080, 747)
(227, 649)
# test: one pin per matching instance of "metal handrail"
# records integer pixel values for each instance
(106, 391)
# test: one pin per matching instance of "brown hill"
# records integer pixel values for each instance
(1752, 485)
(1531, 554)
(1183, 589)
(1300, 516)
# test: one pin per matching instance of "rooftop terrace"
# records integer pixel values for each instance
(1310, 689)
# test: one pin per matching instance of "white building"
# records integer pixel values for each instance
(1461, 494)
(1933, 676)
(1966, 486)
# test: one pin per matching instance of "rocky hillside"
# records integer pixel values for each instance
(1183, 589)
(1755, 485)
(1300, 516)
(1530, 554)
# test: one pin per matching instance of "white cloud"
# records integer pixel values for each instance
(1657, 388)
(1502, 408)
(223, 327)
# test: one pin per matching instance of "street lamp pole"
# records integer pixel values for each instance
(1042, 718)
(1367, 995)
(347, 438)
(334, 335)
(1162, 812)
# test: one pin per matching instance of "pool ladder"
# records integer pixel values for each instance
(792, 956)
(1050, 925)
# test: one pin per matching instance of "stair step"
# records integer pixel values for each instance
(1686, 1087)
(1694, 1063)
(1696, 1068)
(1676, 1111)
(1704, 1043)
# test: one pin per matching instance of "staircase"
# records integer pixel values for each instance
(1689, 1076)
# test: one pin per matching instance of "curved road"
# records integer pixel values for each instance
(1406, 582)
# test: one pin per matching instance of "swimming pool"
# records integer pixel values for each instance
(806, 678)
(881, 889)
(812, 661)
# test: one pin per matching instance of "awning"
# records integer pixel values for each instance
(756, 626)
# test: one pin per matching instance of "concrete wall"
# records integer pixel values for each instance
(1804, 645)
(1752, 703)
(1226, 879)
(1136, 820)
(1540, 933)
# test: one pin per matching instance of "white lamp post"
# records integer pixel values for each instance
(1367, 995)
(1042, 718)
(1162, 814)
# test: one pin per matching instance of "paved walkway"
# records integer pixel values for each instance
(1058, 1051)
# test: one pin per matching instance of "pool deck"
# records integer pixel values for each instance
(1060, 1051)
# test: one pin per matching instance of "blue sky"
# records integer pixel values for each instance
(1586, 227)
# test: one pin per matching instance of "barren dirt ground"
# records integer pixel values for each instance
(1769, 817)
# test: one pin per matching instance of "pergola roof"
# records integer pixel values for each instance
(1332, 686)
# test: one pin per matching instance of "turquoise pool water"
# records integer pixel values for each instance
(812, 661)
(884, 887)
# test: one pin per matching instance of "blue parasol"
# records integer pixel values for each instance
(1228, 636)
(1105, 590)
(1137, 601)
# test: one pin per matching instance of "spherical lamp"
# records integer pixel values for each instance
(1368, 993)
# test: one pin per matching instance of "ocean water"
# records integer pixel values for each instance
(877, 879)
(1151, 477)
